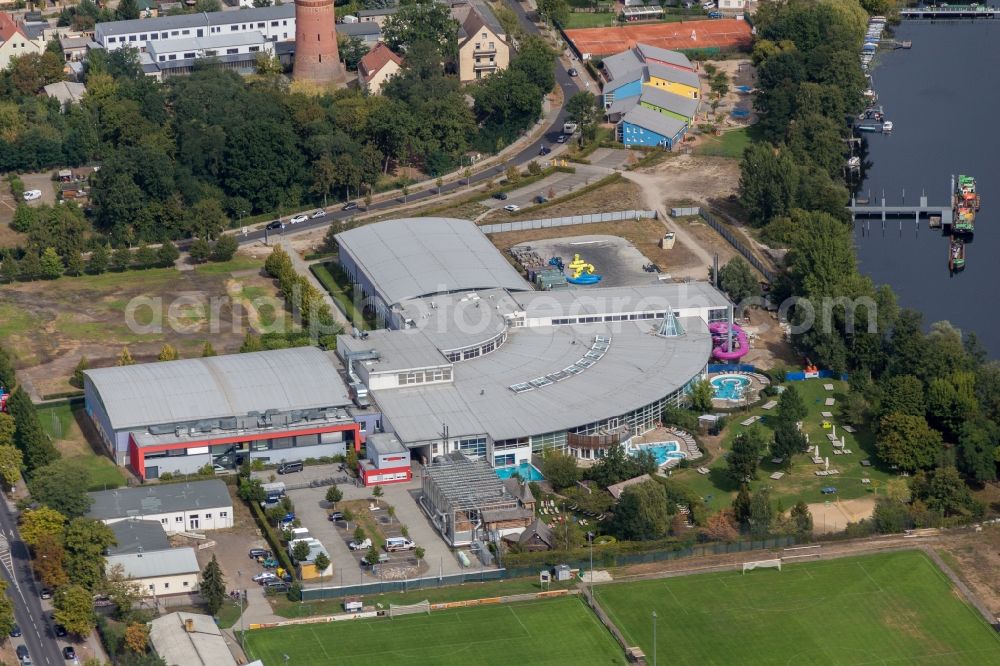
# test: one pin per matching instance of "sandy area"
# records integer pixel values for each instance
(834, 515)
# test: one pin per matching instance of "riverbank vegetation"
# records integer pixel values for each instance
(932, 398)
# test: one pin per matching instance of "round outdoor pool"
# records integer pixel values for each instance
(662, 451)
(729, 387)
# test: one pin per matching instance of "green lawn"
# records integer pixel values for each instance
(730, 144)
(801, 483)
(493, 588)
(60, 421)
(333, 278)
(549, 632)
(590, 20)
(886, 608)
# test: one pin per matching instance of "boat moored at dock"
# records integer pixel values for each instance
(965, 202)
(956, 254)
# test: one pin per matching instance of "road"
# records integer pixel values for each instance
(569, 86)
(37, 632)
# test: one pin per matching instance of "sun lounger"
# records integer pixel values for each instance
(826, 415)
(848, 428)
(828, 387)
(777, 461)
(749, 421)
(830, 402)
(770, 404)
(777, 475)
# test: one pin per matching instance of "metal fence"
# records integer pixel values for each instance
(685, 212)
(737, 243)
(544, 223)
(380, 587)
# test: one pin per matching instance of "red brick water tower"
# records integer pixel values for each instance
(316, 56)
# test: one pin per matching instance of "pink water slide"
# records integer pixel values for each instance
(720, 340)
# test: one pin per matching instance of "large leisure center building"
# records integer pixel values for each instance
(472, 359)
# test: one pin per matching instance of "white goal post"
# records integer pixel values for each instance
(409, 609)
(762, 564)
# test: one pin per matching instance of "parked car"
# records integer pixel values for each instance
(336, 515)
(512, 208)
(265, 577)
(22, 654)
(31, 195)
(290, 467)
(544, 150)
(299, 218)
(270, 563)
(360, 545)
(318, 214)
(561, 138)
(69, 654)
(15, 631)
(715, 15)
(541, 198)
(350, 205)
(256, 553)
(502, 196)
(829, 490)
(277, 224)
(275, 586)
(46, 593)
(61, 631)
(572, 71)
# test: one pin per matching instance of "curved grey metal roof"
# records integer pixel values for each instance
(137, 396)
(414, 257)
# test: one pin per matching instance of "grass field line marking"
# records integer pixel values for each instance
(677, 601)
(875, 582)
(312, 630)
(518, 618)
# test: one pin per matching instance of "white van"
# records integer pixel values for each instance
(393, 544)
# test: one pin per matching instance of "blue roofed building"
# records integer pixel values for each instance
(642, 126)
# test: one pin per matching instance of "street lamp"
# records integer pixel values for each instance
(590, 538)
(654, 638)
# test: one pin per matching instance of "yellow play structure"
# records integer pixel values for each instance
(580, 272)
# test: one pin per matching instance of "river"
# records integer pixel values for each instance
(943, 101)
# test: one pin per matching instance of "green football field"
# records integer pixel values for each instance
(559, 631)
(892, 608)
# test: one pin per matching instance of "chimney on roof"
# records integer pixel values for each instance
(189, 625)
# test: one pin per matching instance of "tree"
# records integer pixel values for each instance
(74, 264)
(225, 248)
(25, 218)
(560, 468)
(30, 267)
(200, 250)
(300, 551)
(377, 492)
(251, 343)
(86, 542)
(978, 450)
(51, 264)
(125, 357)
(788, 441)
(741, 463)
(737, 279)
(419, 553)
(61, 485)
(554, 11)
(371, 557)
(98, 262)
(212, 586)
(123, 590)
(11, 460)
(167, 353)
(614, 467)
(761, 513)
(701, 396)
(251, 491)
(802, 519)
(7, 378)
(167, 254)
(7, 427)
(891, 516)
(121, 259)
(791, 408)
(943, 490)
(768, 180)
(74, 606)
(720, 527)
(334, 495)
(322, 563)
(6, 610)
(145, 256)
(38, 524)
(127, 10)
(204, 6)
(29, 436)
(9, 269)
(207, 350)
(49, 561)
(907, 441)
(903, 394)
(641, 513)
(584, 109)
(426, 22)
(137, 634)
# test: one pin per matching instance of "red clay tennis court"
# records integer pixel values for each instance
(718, 33)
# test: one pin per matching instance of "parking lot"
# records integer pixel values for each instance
(348, 566)
(616, 260)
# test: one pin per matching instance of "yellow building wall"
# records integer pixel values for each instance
(670, 86)
(467, 56)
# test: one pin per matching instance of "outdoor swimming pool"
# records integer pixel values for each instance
(526, 471)
(662, 451)
(729, 387)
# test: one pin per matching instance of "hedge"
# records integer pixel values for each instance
(272, 538)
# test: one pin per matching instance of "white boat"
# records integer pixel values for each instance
(854, 162)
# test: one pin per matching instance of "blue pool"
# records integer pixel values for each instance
(729, 387)
(526, 471)
(662, 451)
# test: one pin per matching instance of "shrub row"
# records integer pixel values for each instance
(273, 538)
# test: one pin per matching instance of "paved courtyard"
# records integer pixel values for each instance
(615, 259)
